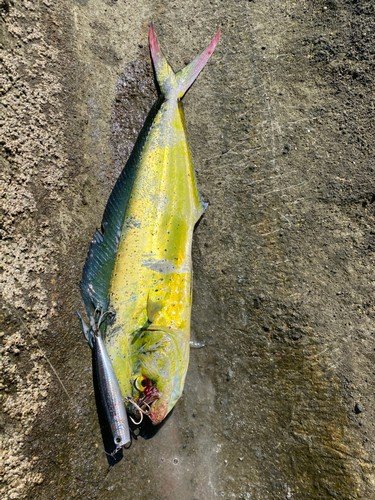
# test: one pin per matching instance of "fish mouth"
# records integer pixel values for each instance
(148, 401)
(144, 403)
(159, 411)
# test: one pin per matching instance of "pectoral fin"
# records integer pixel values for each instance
(152, 309)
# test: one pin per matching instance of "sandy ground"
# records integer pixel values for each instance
(280, 402)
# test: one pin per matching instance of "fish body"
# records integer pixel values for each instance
(139, 269)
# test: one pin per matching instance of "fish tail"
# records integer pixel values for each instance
(176, 84)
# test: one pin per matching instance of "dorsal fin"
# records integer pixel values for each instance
(97, 271)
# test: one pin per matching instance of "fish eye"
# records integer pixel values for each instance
(118, 439)
(140, 383)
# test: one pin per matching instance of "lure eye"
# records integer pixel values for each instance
(117, 440)
(140, 383)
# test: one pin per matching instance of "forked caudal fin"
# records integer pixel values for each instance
(176, 84)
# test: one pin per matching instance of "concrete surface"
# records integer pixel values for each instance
(280, 402)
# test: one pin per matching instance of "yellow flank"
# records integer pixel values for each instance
(153, 265)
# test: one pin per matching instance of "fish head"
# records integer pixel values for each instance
(162, 365)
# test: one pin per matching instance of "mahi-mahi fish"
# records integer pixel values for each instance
(136, 284)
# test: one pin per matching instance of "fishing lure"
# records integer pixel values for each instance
(138, 268)
(109, 388)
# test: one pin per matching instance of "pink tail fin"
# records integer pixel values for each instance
(177, 83)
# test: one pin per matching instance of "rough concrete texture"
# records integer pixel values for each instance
(280, 402)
